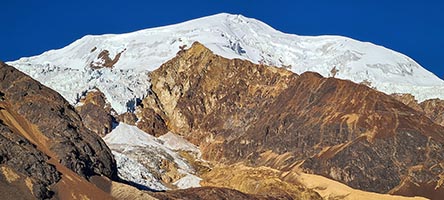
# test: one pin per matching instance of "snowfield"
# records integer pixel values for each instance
(67, 70)
(139, 157)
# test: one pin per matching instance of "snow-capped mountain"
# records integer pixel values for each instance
(133, 55)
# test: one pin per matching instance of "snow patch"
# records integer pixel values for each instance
(176, 142)
(139, 156)
(188, 181)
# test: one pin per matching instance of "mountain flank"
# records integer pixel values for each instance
(237, 111)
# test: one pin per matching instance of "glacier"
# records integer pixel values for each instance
(140, 156)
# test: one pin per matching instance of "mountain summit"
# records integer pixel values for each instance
(92, 60)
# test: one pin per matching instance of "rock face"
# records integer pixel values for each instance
(96, 112)
(261, 181)
(103, 59)
(237, 111)
(187, 90)
(214, 193)
(43, 137)
(150, 121)
(21, 162)
(127, 118)
(432, 108)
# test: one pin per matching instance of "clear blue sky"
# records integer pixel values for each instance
(415, 28)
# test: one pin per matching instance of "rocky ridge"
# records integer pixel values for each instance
(237, 111)
(432, 108)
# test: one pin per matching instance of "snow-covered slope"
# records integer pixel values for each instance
(231, 36)
(144, 159)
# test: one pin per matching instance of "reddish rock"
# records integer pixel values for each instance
(96, 112)
(432, 108)
(151, 122)
(237, 111)
(104, 60)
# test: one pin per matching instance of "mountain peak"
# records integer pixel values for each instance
(230, 36)
(220, 18)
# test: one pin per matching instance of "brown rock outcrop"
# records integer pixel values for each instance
(408, 100)
(214, 193)
(96, 112)
(195, 86)
(151, 122)
(127, 118)
(260, 181)
(432, 108)
(104, 60)
(237, 111)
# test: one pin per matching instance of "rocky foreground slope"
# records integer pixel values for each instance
(258, 115)
(45, 150)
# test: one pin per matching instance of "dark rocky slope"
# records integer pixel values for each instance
(43, 138)
(237, 111)
(19, 156)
